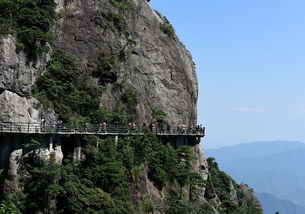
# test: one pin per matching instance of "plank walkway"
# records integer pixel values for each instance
(92, 129)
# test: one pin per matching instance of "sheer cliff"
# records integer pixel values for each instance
(124, 46)
(93, 61)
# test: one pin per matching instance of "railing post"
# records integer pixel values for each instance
(11, 129)
(28, 127)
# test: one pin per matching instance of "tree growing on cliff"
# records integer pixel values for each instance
(158, 117)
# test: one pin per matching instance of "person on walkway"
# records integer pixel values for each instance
(143, 128)
(59, 126)
(190, 129)
(100, 127)
(197, 129)
(86, 127)
(183, 129)
(134, 128)
(43, 122)
(129, 127)
(37, 126)
(104, 127)
(168, 129)
(201, 129)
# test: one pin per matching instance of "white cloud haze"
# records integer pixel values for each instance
(248, 109)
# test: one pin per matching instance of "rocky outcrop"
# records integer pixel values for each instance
(11, 178)
(137, 54)
(200, 166)
(17, 77)
(249, 195)
(17, 74)
(15, 108)
(11, 153)
(13, 150)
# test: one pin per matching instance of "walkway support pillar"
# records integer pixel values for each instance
(79, 153)
(116, 139)
(77, 149)
(51, 144)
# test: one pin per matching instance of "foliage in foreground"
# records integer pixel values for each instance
(105, 181)
(7, 207)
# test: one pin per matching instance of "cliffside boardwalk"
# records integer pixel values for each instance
(94, 129)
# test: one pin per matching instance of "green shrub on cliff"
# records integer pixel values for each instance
(122, 4)
(7, 207)
(30, 20)
(75, 96)
(69, 92)
(167, 28)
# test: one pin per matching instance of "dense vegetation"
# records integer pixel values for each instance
(108, 178)
(71, 94)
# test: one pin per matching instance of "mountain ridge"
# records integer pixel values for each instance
(273, 167)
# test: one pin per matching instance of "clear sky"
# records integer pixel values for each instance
(250, 59)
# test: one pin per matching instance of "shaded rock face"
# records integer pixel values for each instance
(18, 75)
(127, 49)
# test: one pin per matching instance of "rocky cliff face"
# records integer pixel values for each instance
(142, 57)
(16, 80)
(17, 74)
(124, 48)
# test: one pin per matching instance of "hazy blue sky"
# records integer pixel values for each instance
(250, 59)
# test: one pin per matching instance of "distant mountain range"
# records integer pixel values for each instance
(272, 204)
(276, 171)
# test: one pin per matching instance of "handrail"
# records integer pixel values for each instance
(59, 128)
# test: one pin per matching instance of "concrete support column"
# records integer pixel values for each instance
(116, 139)
(77, 150)
(51, 144)
(79, 153)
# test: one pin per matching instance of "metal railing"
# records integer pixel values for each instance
(56, 128)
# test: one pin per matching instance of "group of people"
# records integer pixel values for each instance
(131, 127)
(190, 129)
(180, 129)
(103, 127)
